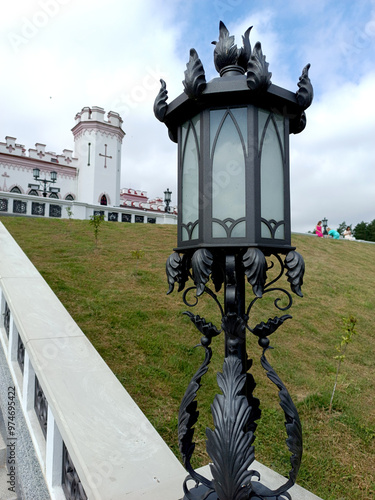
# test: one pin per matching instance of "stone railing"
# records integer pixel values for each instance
(68, 422)
(28, 205)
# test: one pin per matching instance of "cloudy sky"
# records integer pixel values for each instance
(61, 55)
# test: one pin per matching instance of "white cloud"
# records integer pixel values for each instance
(75, 53)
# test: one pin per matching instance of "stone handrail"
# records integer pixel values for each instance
(79, 403)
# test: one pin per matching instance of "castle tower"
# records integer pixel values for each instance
(97, 145)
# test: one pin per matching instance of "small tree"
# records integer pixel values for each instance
(349, 330)
(95, 221)
(69, 211)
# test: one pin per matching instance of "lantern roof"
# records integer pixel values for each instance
(244, 79)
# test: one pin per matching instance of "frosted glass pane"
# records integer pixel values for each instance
(239, 230)
(228, 173)
(218, 231)
(190, 179)
(272, 175)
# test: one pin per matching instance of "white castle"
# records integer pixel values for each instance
(90, 175)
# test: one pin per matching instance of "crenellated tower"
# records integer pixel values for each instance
(97, 144)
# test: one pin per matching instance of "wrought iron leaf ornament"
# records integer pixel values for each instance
(292, 424)
(201, 264)
(305, 92)
(255, 266)
(244, 52)
(263, 330)
(229, 445)
(296, 269)
(225, 53)
(297, 125)
(188, 416)
(208, 330)
(195, 79)
(258, 76)
(160, 104)
(175, 270)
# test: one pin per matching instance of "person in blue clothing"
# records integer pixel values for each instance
(335, 234)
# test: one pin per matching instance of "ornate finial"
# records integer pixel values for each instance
(258, 76)
(160, 104)
(227, 56)
(305, 92)
(195, 80)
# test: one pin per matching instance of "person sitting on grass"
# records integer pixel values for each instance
(335, 234)
(318, 230)
(348, 234)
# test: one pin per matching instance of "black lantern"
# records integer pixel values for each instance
(36, 173)
(234, 222)
(167, 199)
(325, 224)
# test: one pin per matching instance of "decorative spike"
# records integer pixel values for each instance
(255, 266)
(160, 104)
(258, 76)
(201, 264)
(195, 80)
(296, 268)
(305, 93)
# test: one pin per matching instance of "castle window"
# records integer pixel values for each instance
(15, 189)
(69, 197)
(103, 200)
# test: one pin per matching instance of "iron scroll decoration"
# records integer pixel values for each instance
(236, 384)
(236, 411)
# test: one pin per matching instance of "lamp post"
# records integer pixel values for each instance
(167, 199)
(36, 173)
(234, 223)
(325, 224)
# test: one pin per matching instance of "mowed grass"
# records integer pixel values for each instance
(120, 303)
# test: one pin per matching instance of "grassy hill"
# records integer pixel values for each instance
(116, 292)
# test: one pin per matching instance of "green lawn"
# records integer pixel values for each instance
(120, 303)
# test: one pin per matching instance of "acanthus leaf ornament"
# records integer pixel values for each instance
(305, 93)
(296, 269)
(201, 263)
(229, 445)
(225, 53)
(255, 266)
(176, 272)
(244, 52)
(160, 104)
(258, 76)
(195, 80)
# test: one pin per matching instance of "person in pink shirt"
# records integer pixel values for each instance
(318, 230)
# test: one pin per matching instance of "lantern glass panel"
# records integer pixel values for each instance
(190, 179)
(271, 146)
(228, 133)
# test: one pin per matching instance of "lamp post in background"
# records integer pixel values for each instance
(325, 224)
(167, 199)
(36, 173)
(234, 222)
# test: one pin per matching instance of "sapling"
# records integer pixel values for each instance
(95, 221)
(69, 211)
(349, 330)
